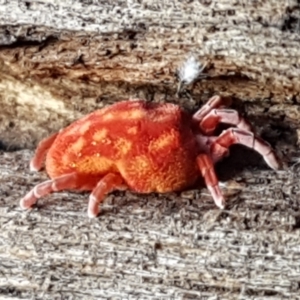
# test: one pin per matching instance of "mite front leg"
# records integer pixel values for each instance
(238, 136)
(207, 170)
(227, 116)
(40, 152)
(106, 185)
(68, 181)
(213, 102)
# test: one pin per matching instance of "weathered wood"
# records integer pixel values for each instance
(156, 246)
(69, 57)
(62, 59)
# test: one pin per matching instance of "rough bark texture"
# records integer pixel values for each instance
(62, 59)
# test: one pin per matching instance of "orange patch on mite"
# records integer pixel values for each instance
(71, 131)
(159, 183)
(77, 146)
(100, 135)
(73, 150)
(132, 130)
(133, 114)
(165, 140)
(95, 164)
(123, 145)
(65, 159)
(84, 127)
(141, 165)
(109, 116)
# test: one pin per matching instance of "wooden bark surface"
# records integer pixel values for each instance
(62, 59)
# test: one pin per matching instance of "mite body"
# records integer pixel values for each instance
(141, 146)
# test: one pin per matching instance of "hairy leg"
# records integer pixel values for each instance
(231, 136)
(207, 170)
(227, 116)
(64, 182)
(40, 152)
(106, 185)
(212, 103)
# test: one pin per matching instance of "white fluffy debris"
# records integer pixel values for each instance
(189, 71)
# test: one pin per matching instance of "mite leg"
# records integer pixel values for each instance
(212, 103)
(207, 170)
(227, 116)
(40, 152)
(238, 136)
(106, 185)
(64, 182)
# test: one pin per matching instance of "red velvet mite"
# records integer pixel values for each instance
(141, 146)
